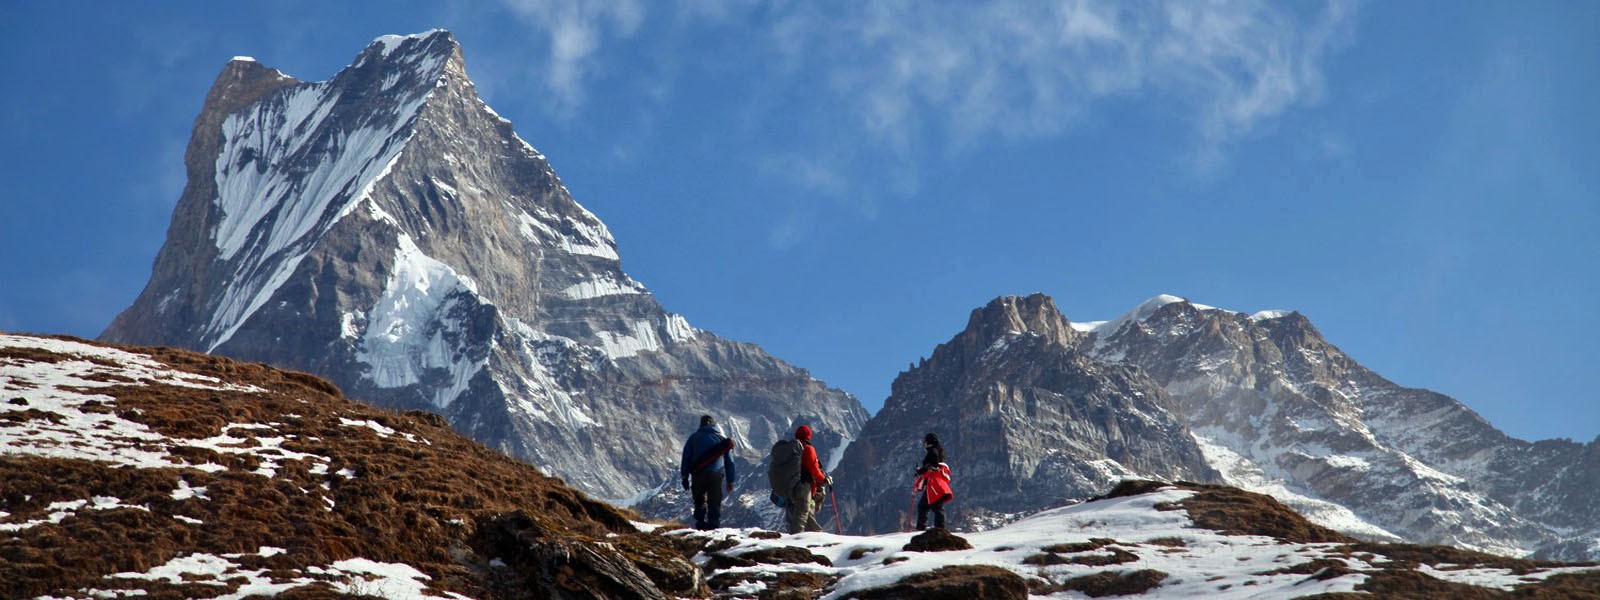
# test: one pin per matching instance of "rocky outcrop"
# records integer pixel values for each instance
(1027, 422)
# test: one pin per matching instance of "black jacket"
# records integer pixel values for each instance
(931, 460)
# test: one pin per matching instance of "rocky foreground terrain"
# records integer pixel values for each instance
(159, 473)
(169, 474)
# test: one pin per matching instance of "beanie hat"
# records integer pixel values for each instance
(707, 420)
(803, 433)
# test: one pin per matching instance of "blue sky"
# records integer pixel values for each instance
(843, 182)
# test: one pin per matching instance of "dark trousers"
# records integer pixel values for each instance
(707, 490)
(922, 512)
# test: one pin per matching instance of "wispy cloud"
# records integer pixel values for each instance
(918, 72)
(959, 73)
(573, 33)
(902, 77)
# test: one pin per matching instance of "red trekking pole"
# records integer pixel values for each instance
(834, 498)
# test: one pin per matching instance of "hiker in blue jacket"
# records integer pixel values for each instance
(707, 471)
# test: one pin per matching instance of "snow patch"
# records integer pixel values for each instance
(643, 337)
(358, 576)
(271, 203)
(185, 492)
(413, 332)
(1244, 473)
(603, 285)
(64, 390)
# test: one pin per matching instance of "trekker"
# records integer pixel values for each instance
(705, 475)
(933, 483)
(805, 497)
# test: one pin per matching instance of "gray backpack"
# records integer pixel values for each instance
(784, 469)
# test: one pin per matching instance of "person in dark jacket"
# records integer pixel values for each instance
(707, 471)
(932, 483)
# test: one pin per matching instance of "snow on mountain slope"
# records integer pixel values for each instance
(1026, 424)
(290, 166)
(1282, 411)
(137, 471)
(388, 230)
(1149, 544)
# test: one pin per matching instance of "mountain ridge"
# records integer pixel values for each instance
(1273, 407)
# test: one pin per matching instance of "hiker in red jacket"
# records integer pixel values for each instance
(933, 481)
(803, 515)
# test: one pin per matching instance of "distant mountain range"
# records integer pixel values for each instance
(387, 230)
(1036, 410)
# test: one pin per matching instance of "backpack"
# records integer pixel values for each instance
(783, 470)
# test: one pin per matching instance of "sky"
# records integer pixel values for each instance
(844, 182)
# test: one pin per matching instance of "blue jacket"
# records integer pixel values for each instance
(699, 443)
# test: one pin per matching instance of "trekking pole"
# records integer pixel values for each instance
(834, 498)
(911, 509)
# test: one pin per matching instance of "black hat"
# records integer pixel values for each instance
(707, 420)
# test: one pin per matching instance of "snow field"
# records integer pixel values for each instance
(1199, 563)
(354, 576)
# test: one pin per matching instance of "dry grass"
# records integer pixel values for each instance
(1106, 583)
(963, 582)
(409, 502)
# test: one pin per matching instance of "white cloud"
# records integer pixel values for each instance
(960, 73)
(573, 33)
(917, 72)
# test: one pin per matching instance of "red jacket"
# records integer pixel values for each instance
(811, 468)
(935, 483)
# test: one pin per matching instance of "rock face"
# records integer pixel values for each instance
(1279, 409)
(386, 229)
(1176, 390)
(1027, 421)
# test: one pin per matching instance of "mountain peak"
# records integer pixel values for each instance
(424, 54)
(433, 41)
(1035, 313)
(387, 229)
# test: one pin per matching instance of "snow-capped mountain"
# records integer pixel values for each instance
(1028, 423)
(386, 229)
(1279, 409)
(1267, 402)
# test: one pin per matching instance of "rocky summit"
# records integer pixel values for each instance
(389, 231)
(1036, 411)
(1026, 421)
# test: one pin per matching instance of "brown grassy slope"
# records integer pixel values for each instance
(443, 504)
